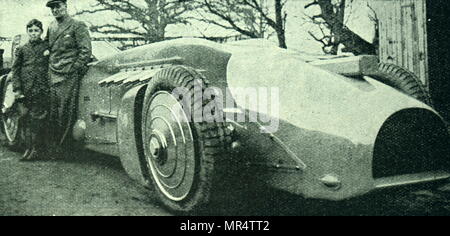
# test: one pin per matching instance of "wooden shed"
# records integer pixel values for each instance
(403, 34)
(414, 34)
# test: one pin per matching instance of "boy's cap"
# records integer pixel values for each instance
(53, 2)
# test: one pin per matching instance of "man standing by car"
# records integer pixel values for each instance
(70, 52)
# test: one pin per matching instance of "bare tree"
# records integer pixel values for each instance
(252, 18)
(332, 25)
(373, 16)
(143, 18)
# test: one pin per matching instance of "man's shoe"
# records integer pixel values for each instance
(26, 154)
(34, 155)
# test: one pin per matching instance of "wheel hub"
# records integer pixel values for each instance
(158, 148)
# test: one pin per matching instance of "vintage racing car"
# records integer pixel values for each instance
(342, 127)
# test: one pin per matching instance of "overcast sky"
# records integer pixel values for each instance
(14, 14)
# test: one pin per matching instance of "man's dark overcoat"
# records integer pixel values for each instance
(70, 53)
(70, 48)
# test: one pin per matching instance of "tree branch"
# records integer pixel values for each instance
(332, 16)
(151, 19)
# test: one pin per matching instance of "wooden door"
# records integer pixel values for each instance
(402, 31)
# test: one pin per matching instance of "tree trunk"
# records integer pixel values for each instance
(281, 40)
(335, 19)
(280, 24)
(355, 44)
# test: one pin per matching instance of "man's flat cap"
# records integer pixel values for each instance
(53, 2)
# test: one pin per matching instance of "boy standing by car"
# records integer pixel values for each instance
(30, 81)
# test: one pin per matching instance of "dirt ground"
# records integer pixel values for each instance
(86, 183)
(82, 184)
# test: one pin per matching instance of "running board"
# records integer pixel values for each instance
(401, 180)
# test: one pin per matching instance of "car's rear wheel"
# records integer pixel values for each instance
(181, 155)
(403, 80)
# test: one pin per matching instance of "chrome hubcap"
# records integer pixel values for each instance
(11, 125)
(158, 149)
(169, 146)
(10, 120)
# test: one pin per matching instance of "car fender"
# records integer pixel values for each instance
(128, 130)
(3, 80)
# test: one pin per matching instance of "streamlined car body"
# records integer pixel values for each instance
(321, 129)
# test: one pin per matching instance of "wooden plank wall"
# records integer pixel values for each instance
(403, 39)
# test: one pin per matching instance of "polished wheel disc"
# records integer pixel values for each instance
(11, 127)
(10, 120)
(169, 146)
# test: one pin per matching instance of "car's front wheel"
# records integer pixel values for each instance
(181, 155)
(12, 129)
(11, 120)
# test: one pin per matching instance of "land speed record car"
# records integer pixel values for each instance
(334, 128)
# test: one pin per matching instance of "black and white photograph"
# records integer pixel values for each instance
(224, 108)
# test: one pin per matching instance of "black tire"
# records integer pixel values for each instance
(402, 80)
(211, 141)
